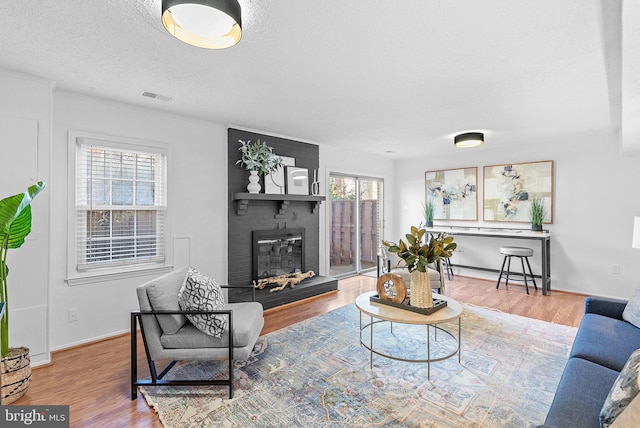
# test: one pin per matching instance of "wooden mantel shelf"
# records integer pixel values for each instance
(242, 200)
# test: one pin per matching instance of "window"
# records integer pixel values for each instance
(120, 204)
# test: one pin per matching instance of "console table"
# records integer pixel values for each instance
(494, 232)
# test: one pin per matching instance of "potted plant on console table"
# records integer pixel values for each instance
(15, 225)
(259, 159)
(537, 212)
(417, 256)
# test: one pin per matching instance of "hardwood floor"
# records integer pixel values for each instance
(94, 379)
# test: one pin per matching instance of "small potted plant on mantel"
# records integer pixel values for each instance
(258, 158)
(15, 225)
(537, 213)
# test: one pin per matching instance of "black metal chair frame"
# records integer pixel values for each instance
(157, 379)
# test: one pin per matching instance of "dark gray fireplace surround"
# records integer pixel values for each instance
(249, 213)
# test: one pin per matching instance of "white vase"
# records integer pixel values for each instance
(421, 296)
(254, 182)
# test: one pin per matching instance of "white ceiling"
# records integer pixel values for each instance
(373, 75)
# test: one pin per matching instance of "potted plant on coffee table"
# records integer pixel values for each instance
(258, 158)
(15, 225)
(417, 256)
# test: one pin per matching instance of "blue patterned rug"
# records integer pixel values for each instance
(315, 374)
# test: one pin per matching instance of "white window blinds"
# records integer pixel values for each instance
(120, 205)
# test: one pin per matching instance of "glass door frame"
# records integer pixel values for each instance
(358, 247)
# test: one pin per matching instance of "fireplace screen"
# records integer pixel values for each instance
(277, 252)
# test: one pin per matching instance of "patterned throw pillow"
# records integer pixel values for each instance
(201, 293)
(623, 391)
(632, 310)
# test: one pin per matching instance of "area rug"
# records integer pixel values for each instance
(316, 374)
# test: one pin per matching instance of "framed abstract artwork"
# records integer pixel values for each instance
(453, 193)
(510, 188)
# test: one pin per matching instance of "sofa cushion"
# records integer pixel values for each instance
(605, 341)
(582, 390)
(631, 312)
(162, 293)
(201, 293)
(624, 390)
(247, 319)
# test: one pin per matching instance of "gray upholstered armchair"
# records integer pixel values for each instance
(168, 334)
(388, 263)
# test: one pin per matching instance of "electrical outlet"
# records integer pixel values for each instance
(615, 269)
(73, 315)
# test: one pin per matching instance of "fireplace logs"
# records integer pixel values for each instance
(281, 281)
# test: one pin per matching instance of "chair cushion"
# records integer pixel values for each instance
(605, 341)
(631, 311)
(162, 293)
(624, 390)
(581, 393)
(201, 293)
(247, 319)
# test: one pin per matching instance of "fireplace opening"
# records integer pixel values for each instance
(277, 252)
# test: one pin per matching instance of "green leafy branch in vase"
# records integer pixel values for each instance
(416, 255)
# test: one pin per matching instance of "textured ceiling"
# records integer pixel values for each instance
(373, 75)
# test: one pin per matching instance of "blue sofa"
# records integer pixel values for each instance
(601, 348)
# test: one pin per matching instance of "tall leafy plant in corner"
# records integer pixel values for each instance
(15, 224)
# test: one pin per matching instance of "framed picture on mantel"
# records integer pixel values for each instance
(276, 182)
(297, 180)
(510, 188)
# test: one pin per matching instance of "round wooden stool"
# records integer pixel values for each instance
(521, 253)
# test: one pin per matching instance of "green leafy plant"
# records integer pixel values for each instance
(537, 211)
(416, 255)
(259, 157)
(429, 208)
(15, 222)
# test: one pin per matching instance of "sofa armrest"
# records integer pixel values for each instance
(605, 306)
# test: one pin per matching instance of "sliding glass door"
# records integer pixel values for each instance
(355, 217)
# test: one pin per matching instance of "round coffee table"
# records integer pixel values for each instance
(378, 313)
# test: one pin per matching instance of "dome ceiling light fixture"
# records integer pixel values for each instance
(209, 24)
(469, 139)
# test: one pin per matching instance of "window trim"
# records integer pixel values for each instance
(125, 270)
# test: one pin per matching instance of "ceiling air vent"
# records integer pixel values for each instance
(156, 96)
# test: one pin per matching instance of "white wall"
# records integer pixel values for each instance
(596, 199)
(25, 123)
(196, 216)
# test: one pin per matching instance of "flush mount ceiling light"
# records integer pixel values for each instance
(469, 139)
(210, 24)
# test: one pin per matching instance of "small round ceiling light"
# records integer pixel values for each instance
(209, 24)
(469, 139)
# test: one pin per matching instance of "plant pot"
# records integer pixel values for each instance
(15, 371)
(421, 296)
(428, 224)
(254, 182)
(536, 227)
